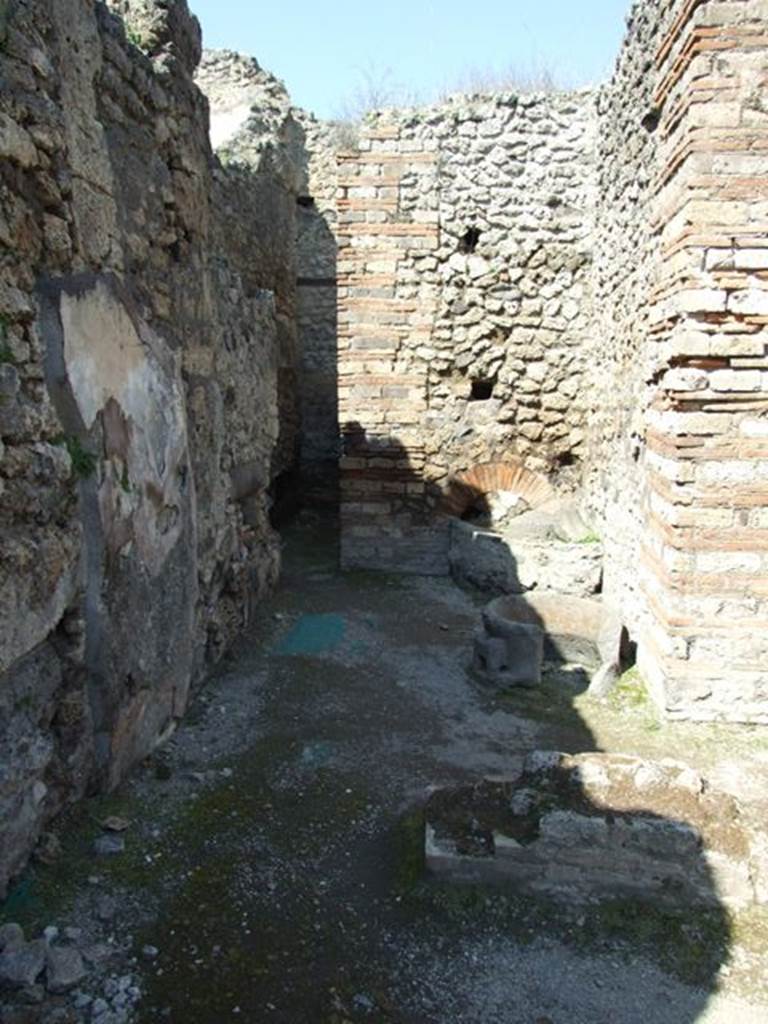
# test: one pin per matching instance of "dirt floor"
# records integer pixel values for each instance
(273, 869)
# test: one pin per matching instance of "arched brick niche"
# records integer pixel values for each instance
(466, 490)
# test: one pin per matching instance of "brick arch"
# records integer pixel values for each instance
(465, 488)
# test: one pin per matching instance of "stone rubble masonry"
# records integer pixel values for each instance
(147, 388)
(318, 312)
(464, 300)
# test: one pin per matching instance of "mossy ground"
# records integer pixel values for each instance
(293, 875)
(47, 891)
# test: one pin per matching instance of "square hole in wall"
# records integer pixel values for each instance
(481, 390)
(469, 240)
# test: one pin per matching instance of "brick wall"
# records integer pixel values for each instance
(385, 507)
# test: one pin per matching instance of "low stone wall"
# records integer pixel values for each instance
(601, 826)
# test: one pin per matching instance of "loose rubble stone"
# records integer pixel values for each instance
(64, 969)
(20, 967)
(109, 845)
(97, 953)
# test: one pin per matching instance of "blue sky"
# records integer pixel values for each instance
(326, 53)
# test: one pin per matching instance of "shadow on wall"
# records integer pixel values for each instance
(317, 305)
(389, 518)
(652, 854)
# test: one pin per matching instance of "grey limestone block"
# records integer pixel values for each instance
(512, 660)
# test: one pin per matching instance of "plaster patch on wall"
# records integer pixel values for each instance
(135, 386)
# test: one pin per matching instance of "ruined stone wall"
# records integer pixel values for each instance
(698, 407)
(465, 237)
(261, 147)
(469, 332)
(626, 263)
(164, 316)
(144, 346)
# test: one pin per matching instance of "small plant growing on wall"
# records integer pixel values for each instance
(134, 37)
(83, 461)
(346, 136)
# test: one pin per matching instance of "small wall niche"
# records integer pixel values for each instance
(651, 120)
(469, 240)
(306, 201)
(481, 389)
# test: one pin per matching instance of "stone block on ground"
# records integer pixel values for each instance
(549, 549)
(514, 659)
(583, 631)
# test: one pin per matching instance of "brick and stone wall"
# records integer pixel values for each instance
(617, 352)
(705, 559)
(677, 450)
(575, 283)
(465, 247)
(147, 346)
(261, 147)
(580, 282)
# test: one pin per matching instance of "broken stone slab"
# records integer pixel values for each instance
(21, 967)
(64, 969)
(599, 826)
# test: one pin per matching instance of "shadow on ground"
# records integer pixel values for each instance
(276, 856)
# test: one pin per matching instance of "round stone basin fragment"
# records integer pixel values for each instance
(519, 632)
